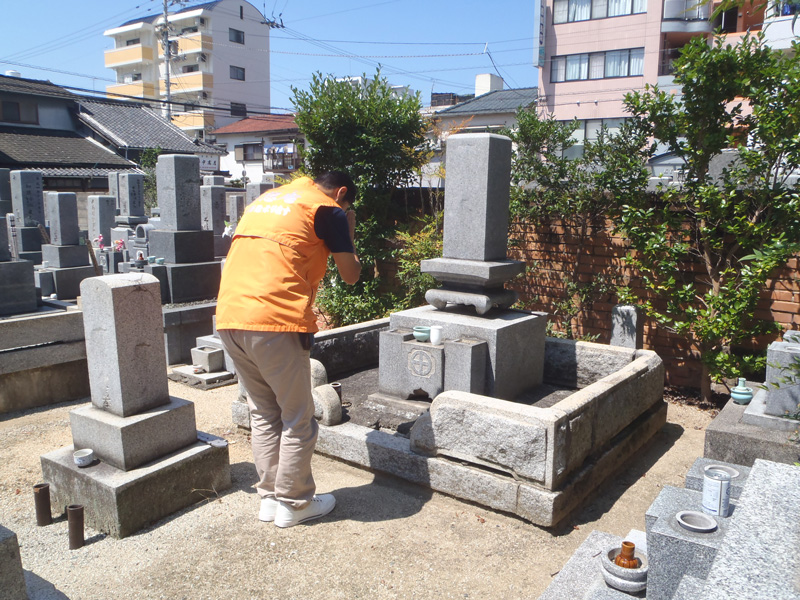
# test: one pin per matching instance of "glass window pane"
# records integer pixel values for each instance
(580, 10)
(558, 69)
(637, 61)
(613, 125)
(577, 67)
(617, 63)
(619, 7)
(593, 129)
(560, 11)
(597, 65)
(639, 6)
(599, 9)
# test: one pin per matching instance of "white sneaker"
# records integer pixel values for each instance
(268, 508)
(321, 505)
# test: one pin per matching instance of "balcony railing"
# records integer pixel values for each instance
(686, 10)
(137, 89)
(188, 82)
(194, 120)
(195, 42)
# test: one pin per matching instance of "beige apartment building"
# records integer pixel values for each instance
(218, 67)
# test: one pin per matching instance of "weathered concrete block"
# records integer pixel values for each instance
(319, 376)
(121, 503)
(240, 413)
(19, 287)
(124, 343)
(67, 282)
(502, 435)
(213, 180)
(182, 326)
(347, 348)
(515, 343)
(577, 364)
(627, 326)
(6, 205)
(179, 247)
(235, 207)
(130, 442)
(62, 214)
(12, 577)
(178, 182)
(212, 208)
(694, 478)
(131, 195)
(63, 257)
(27, 198)
(409, 368)
(5, 252)
(101, 213)
(113, 187)
(476, 199)
(465, 365)
(254, 189)
(327, 405)
(193, 282)
(209, 359)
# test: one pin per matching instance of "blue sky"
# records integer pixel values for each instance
(430, 45)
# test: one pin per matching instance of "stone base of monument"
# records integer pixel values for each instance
(44, 358)
(19, 287)
(193, 282)
(121, 503)
(67, 282)
(755, 413)
(729, 438)
(189, 375)
(178, 247)
(183, 325)
(12, 577)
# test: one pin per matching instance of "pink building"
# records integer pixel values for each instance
(596, 51)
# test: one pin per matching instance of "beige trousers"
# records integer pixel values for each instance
(276, 372)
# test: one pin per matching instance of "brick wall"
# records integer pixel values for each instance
(557, 255)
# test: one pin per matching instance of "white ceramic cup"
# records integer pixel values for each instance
(436, 335)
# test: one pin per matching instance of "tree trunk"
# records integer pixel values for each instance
(705, 385)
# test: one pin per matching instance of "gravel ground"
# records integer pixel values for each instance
(385, 539)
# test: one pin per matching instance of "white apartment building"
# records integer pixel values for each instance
(219, 63)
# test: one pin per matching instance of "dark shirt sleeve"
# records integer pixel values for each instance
(330, 225)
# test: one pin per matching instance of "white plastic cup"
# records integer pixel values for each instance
(436, 335)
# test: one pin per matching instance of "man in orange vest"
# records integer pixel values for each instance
(278, 256)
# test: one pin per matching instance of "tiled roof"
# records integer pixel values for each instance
(500, 101)
(36, 87)
(85, 171)
(136, 125)
(33, 148)
(260, 123)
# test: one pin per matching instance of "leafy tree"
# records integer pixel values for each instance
(147, 163)
(737, 129)
(378, 137)
(550, 182)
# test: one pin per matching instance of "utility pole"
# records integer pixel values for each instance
(167, 59)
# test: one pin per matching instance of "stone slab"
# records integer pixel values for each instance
(179, 247)
(193, 282)
(42, 356)
(210, 359)
(27, 198)
(627, 326)
(124, 347)
(18, 287)
(46, 326)
(581, 579)
(214, 342)
(213, 180)
(101, 212)
(349, 348)
(178, 183)
(205, 381)
(729, 439)
(516, 344)
(182, 326)
(694, 478)
(235, 208)
(476, 198)
(487, 274)
(254, 189)
(131, 195)
(574, 364)
(67, 282)
(12, 577)
(408, 367)
(30, 388)
(34, 257)
(113, 186)
(398, 409)
(761, 554)
(5, 250)
(62, 216)
(674, 552)
(62, 257)
(756, 412)
(121, 503)
(212, 208)
(391, 453)
(6, 205)
(130, 442)
(486, 431)
(29, 239)
(465, 360)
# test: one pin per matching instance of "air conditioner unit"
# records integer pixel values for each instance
(202, 57)
(201, 21)
(203, 95)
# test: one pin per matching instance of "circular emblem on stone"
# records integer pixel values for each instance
(420, 363)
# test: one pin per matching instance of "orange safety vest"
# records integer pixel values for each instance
(275, 263)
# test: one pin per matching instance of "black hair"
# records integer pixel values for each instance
(331, 180)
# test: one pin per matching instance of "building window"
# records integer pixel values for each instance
(234, 35)
(189, 107)
(19, 112)
(598, 65)
(190, 68)
(244, 152)
(589, 131)
(570, 11)
(238, 110)
(282, 156)
(237, 73)
(133, 42)
(192, 29)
